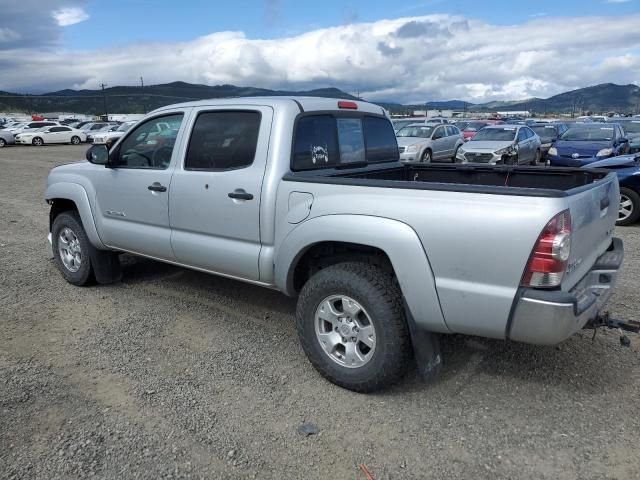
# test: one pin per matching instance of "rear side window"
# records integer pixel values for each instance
(380, 140)
(224, 140)
(325, 141)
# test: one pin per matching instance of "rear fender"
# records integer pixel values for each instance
(78, 195)
(400, 243)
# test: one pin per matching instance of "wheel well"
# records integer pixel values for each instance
(59, 205)
(324, 254)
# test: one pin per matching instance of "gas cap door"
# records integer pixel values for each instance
(299, 206)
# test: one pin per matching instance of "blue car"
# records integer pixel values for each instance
(586, 143)
(627, 167)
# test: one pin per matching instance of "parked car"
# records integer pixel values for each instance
(426, 142)
(504, 144)
(94, 126)
(586, 143)
(106, 129)
(108, 138)
(472, 127)
(437, 120)
(55, 134)
(6, 138)
(293, 208)
(26, 127)
(627, 168)
(548, 133)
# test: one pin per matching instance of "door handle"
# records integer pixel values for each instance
(156, 187)
(240, 194)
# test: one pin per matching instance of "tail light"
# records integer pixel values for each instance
(548, 261)
(347, 105)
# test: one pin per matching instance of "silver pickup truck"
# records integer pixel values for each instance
(307, 196)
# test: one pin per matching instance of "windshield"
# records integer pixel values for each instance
(584, 134)
(124, 127)
(631, 127)
(545, 132)
(505, 134)
(419, 132)
(474, 126)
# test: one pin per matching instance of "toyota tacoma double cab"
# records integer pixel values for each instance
(308, 196)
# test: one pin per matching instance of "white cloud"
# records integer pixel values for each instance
(69, 16)
(617, 1)
(407, 59)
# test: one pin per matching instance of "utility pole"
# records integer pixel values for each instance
(104, 100)
(144, 107)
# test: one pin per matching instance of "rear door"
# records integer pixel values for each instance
(59, 135)
(215, 193)
(524, 146)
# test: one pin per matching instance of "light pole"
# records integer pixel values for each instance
(104, 100)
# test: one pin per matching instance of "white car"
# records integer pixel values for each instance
(109, 138)
(54, 134)
(26, 127)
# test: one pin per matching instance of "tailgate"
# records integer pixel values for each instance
(594, 212)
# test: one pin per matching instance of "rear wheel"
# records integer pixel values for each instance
(352, 327)
(426, 156)
(38, 142)
(75, 140)
(629, 210)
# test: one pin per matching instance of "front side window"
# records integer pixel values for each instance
(223, 140)
(149, 145)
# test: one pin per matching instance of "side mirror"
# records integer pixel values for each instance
(98, 155)
(624, 140)
(437, 136)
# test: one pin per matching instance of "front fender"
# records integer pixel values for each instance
(78, 195)
(398, 240)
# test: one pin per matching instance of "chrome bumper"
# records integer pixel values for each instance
(549, 317)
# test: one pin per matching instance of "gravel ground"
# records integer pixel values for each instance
(176, 374)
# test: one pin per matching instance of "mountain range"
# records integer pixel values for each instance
(123, 99)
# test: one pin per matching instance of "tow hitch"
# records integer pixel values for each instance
(604, 320)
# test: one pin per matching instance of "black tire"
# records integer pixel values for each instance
(37, 142)
(634, 215)
(427, 156)
(536, 159)
(2, 142)
(75, 140)
(455, 154)
(380, 296)
(84, 275)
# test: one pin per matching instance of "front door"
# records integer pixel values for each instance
(132, 194)
(215, 194)
(439, 142)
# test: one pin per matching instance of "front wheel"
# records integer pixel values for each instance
(71, 249)
(536, 158)
(455, 154)
(75, 140)
(629, 210)
(351, 324)
(38, 142)
(2, 142)
(426, 156)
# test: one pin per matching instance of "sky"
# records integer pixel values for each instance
(406, 51)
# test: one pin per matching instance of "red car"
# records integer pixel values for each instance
(472, 127)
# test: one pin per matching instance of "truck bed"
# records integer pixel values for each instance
(504, 180)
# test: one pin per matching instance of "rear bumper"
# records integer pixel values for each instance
(549, 317)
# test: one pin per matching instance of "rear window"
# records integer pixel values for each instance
(326, 141)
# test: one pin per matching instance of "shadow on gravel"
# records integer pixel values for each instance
(578, 364)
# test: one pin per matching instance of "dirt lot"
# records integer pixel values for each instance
(176, 374)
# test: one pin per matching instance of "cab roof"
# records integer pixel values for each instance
(306, 104)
